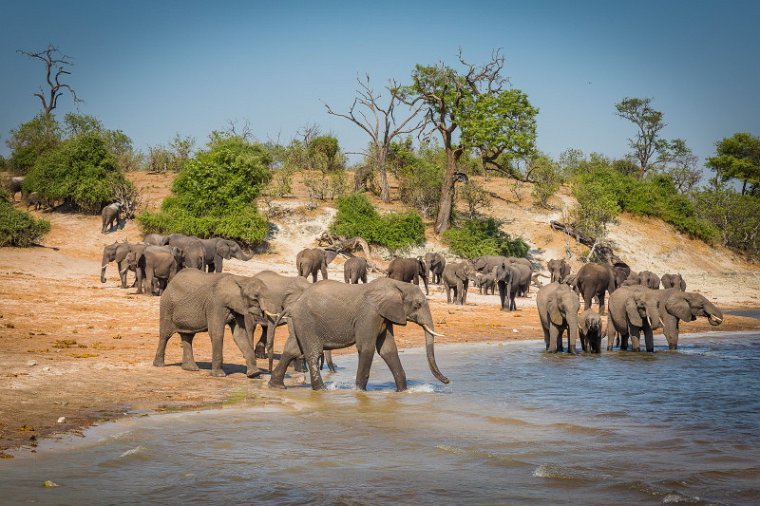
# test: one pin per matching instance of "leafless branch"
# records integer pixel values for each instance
(56, 65)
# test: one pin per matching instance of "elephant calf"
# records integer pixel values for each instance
(355, 269)
(457, 277)
(590, 331)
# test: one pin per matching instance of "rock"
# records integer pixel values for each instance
(46, 368)
(61, 419)
(50, 483)
(515, 331)
(31, 363)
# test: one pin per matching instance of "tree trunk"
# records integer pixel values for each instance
(443, 221)
(385, 193)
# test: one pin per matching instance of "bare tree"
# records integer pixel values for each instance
(56, 65)
(380, 123)
(243, 131)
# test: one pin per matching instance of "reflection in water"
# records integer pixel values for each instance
(514, 426)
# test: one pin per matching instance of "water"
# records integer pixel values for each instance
(515, 426)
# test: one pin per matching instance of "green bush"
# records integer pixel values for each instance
(483, 237)
(357, 217)
(215, 193)
(18, 228)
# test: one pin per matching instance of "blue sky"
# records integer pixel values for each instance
(153, 69)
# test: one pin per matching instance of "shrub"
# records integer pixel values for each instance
(18, 228)
(483, 237)
(734, 217)
(357, 217)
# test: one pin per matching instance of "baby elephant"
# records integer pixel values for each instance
(457, 277)
(355, 269)
(590, 331)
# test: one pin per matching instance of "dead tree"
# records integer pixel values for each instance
(56, 65)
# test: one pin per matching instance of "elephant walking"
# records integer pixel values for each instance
(109, 217)
(409, 270)
(504, 274)
(434, 264)
(118, 252)
(355, 269)
(558, 311)
(457, 277)
(311, 261)
(332, 315)
(217, 250)
(155, 267)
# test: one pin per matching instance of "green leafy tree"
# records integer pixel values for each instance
(649, 123)
(33, 139)
(738, 157)
(419, 174)
(478, 237)
(680, 163)
(545, 176)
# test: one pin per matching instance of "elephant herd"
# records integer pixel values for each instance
(636, 305)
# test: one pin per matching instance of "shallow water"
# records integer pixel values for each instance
(515, 426)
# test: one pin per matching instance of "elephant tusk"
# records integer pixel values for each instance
(719, 320)
(273, 316)
(436, 334)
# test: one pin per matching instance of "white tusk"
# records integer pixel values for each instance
(719, 320)
(434, 333)
(274, 316)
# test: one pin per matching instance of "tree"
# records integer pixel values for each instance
(56, 66)
(379, 122)
(649, 123)
(680, 163)
(738, 157)
(31, 140)
(477, 106)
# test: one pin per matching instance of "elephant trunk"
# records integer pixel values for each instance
(653, 315)
(242, 256)
(430, 334)
(714, 315)
(103, 268)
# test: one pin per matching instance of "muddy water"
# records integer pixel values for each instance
(515, 426)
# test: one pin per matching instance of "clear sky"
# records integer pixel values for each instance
(156, 68)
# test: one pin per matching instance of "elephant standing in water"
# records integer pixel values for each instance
(331, 315)
(118, 252)
(434, 264)
(109, 217)
(558, 311)
(217, 250)
(355, 269)
(311, 261)
(673, 281)
(590, 331)
(594, 280)
(409, 270)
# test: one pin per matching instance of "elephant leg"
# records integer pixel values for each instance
(365, 362)
(503, 295)
(314, 276)
(386, 347)
(330, 364)
(149, 280)
(670, 329)
(123, 268)
(586, 302)
(261, 350)
(448, 294)
(553, 335)
(164, 333)
(610, 333)
(188, 360)
(635, 341)
(244, 344)
(312, 361)
(602, 312)
(465, 286)
(459, 293)
(584, 342)
(291, 351)
(649, 339)
(324, 272)
(363, 277)
(216, 331)
(546, 336)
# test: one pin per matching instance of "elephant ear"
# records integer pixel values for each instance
(632, 311)
(583, 322)
(330, 255)
(683, 285)
(679, 307)
(388, 302)
(554, 313)
(223, 250)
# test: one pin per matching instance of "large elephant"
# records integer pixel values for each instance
(192, 249)
(457, 277)
(558, 311)
(355, 269)
(649, 279)
(331, 315)
(217, 250)
(434, 264)
(118, 252)
(155, 267)
(590, 331)
(109, 217)
(558, 269)
(409, 270)
(593, 280)
(197, 301)
(673, 281)
(156, 239)
(311, 261)
(499, 267)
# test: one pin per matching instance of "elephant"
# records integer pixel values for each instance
(156, 239)
(486, 283)
(558, 311)
(521, 278)
(332, 315)
(633, 279)
(409, 270)
(673, 281)
(355, 269)
(118, 252)
(594, 280)
(457, 277)
(217, 250)
(197, 301)
(503, 272)
(109, 217)
(590, 331)
(310, 261)
(622, 271)
(649, 279)
(639, 308)
(192, 249)
(15, 185)
(559, 270)
(155, 267)
(434, 264)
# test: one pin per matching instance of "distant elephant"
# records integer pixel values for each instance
(521, 278)
(217, 250)
(558, 311)
(155, 267)
(486, 283)
(109, 217)
(192, 249)
(673, 281)
(311, 261)
(649, 279)
(434, 264)
(594, 280)
(559, 270)
(622, 271)
(355, 269)
(31, 200)
(457, 277)
(118, 252)
(638, 308)
(502, 271)
(633, 279)
(331, 315)
(156, 239)
(590, 331)
(15, 186)
(409, 270)
(197, 301)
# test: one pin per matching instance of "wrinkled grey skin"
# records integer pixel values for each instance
(649, 279)
(197, 301)
(355, 269)
(192, 249)
(217, 250)
(622, 271)
(638, 308)
(118, 252)
(332, 315)
(521, 277)
(15, 186)
(311, 261)
(559, 270)
(595, 280)
(109, 217)
(590, 331)
(409, 270)
(558, 311)
(498, 266)
(155, 266)
(434, 264)
(486, 283)
(457, 277)
(156, 239)
(673, 281)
